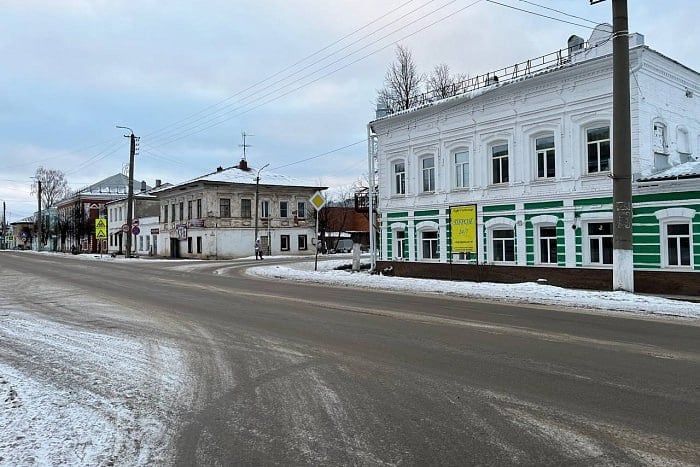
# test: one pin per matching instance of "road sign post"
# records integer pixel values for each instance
(317, 201)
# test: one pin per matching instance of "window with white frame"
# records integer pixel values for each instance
(547, 244)
(428, 173)
(264, 209)
(301, 242)
(683, 144)
(600, 242)
(676, 227)
(284, 209)
(544, 147)
(246, 208)
(659, 136)
(598, 149)
(399, 243)
(301, 209)
(678, 244)
(399, 168)
(430, 244)
(503, 245)
(499, 163)
(461, 168)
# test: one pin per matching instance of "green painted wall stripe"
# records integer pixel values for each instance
(397, 214)
(500, 207)
(544, 205)
(592, 201)
(432, 212)
(683, 195)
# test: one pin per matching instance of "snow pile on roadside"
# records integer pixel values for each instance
(517, 293)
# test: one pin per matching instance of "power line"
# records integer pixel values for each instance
(560, 12)
(540, 14)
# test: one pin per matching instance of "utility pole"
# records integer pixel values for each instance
(38, 241)
(4, 242)
(130, 198)
(257, 203)
(623, 253)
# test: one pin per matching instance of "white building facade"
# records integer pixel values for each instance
(533, 152)
(214, 216)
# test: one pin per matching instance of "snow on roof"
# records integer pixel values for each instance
(690, 169)
(247, 177)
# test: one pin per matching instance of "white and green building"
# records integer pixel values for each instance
(530, 146)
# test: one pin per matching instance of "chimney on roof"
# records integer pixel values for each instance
(143, 185)
(158, 182)
(219, 169)
(574, 44)
(243, 165)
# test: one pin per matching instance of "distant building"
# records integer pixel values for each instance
(214, 216)
(342, 226)
(532, 153)
(77, 213)
(145, 222)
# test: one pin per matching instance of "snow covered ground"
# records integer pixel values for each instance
(533, 293)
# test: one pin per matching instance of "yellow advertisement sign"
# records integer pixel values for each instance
(463, 226)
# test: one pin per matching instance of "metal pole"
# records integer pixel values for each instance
(372, 233)
(257, 189)
(130, 198)
(623, 257)
(38, 240)
(4, 241)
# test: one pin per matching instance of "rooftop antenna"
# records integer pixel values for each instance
(244, 145)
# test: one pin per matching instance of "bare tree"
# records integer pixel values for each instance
(54, 186)
(441, 84)
(402, 82)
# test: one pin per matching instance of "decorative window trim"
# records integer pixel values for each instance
(422, 157)
(537, 223)
(397, 227)
(427, 226)
(675, 216)
(499, 223)
(663, 148)
(589, 218)
(452, 166)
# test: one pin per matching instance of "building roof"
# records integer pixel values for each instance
(690, 169)
(237, 175)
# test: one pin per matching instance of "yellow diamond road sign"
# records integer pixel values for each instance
(100, 228)
(318, 200)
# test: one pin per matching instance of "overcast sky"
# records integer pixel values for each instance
(300, 76)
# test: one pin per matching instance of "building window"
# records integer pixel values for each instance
(165, 214)
(429, 242)
(224, 207)
(503, 243)
(189, 244)
(264, 209)
(199, 244)
(301, 242)
(246, 208)
(284, 242)
(301, 210)
(461, 168)
(172, 212)
(683, 143)
(499, 160)
(399, 244)
(678, 244)
(598, 149)
(189, 209)
(659, 135)
(399, 178)
(284, 209)
(428, 174)
(545, 157)
(199, 209)
(600, 242)
(548, 244)
(182, 211)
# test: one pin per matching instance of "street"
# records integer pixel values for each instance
(196, 363)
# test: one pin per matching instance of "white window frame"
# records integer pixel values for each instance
(398, 178)
(500, 223)
(544, 152)
(302, 242)
(429, 172)
(598, 144)
(398, 245)
(671, 216)
(537, 223)
(421, 228)
(503, 161)
(586, 220)
(285, 242)
(284, 209)
(301, 209)
(460, 170)
(659, 136)
(264, 209)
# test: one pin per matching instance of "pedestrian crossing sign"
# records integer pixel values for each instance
(101, 228)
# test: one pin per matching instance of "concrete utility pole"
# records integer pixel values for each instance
(38, 240)
(130, 199)
(257, 187)
(4, 241)
(623, 256)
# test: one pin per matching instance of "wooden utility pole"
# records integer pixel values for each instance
(130, 198)
(38, 240)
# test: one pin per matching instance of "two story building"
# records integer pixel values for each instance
(528, 149)
(220, 214)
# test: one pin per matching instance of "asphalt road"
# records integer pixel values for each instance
(296, 374)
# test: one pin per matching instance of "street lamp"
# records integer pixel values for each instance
(257, 187)
(130, 199)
